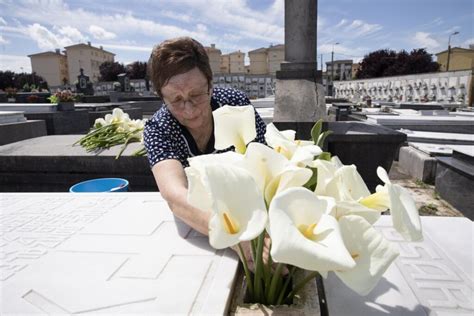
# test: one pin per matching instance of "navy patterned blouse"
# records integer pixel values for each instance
(165, 138)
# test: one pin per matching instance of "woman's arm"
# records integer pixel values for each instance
(171, 180)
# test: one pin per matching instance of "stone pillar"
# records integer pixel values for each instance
(299, 96)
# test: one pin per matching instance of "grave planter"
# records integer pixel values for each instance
(306, 302)
(365, 145)
(66, 106)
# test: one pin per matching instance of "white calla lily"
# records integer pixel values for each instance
(100, 122)
(237, 215)
(198, 194)
(273, 172)
(405, 216)
(299, 152)
(234, 126)
(372, 253)
(304, 235)
(352, 196)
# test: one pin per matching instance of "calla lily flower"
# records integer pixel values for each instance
(299, 152)
(352, 196)
(234, 126)
(237, 215)
(405, 217)
(304, 235)
(372, 253)
(272, 171)
(198, 194)
(117, 116)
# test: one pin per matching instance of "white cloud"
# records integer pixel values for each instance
(341, 23)
(469, 41)
(2, 21)
(15, 63)
(101, 34)
(72, 33)
(45, 39)
(424, 39)
(127, 47)
(3, 41)
(361, 28)
(176, 16)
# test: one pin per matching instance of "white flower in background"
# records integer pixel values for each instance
(238, 209)
(372, 253)
(299, 152)
(234, 126)
(117, 116)
(304, 235)
(100, 122)
(273, 172)
(326, 171)
(405, 217)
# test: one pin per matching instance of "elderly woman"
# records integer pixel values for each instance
(183, 127)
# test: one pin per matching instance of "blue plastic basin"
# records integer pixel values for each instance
(101, 185)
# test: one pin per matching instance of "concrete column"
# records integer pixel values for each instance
(299, 96)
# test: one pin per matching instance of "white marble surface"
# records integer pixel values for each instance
(421, 135)
(120, 253)
(125, 253)
(433, 277)
(422, 120)
(440, 149)
(29, 107)
(7, 117)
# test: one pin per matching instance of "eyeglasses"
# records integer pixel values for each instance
(194, 100)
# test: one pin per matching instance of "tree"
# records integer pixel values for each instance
(109, 70)
(384, 63)
(137, 70)
(19, 80)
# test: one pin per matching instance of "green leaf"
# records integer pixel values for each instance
(316, 130)
(311, 184)
(322, 137)
(325, 156)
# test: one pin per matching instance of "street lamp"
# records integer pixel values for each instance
(449, 48)
(332, 61)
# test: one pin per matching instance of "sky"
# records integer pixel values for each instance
(131, 28)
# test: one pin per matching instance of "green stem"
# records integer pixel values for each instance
(258, 269)
(285, 286)
(274, 283)
(298, 287)
(247, 272)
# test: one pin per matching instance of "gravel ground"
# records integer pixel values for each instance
(426, 199)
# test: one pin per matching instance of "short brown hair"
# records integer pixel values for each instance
(176, 56)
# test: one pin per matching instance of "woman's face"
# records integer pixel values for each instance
(188, 98)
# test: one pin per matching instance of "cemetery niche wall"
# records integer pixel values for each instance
(443, 87)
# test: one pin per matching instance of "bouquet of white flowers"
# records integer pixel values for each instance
(318, 212)
(114, 129)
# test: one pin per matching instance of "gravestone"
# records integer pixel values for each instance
(84, 85)
(53, 164)
(455, 180)
(124, 81)
(14, 127)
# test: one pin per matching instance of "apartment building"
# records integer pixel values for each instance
(87, 57)
(459, 59)
(266, 60)
(52, 66)
(342, 69)
(258, 61)
(214, 58)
